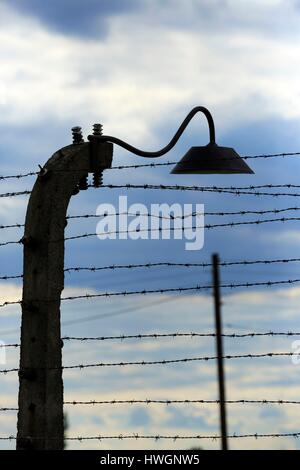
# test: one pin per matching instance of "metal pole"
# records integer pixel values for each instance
(219, 348)
(40, 416)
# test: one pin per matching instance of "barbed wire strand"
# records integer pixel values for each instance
(16, 193)
(167, 335)
(162, 217)
(247, 190)
(213, 189)
(170, 402)
(158, 437)
(153, 165)
(159, 291)
(161, 229)
(167, 264)
(181, 265)
(161, 362)
(179, 335)
(182, 402)
(184, 216)
(175, 229)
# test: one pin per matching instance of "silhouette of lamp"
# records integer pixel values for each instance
(208, 159)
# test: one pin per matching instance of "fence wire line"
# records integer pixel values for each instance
(158, 437)
(168, 264)
(200, 188)
(184, 216)
(157, 291)
(166, 335)
(162, 229)
(192, 214)
(162, 362)
(250, 190)
(182, 402)
(183, 265)
(170, 402)
(212, 189)
(179, 335)
(237, 192)
(173, 229)
(121, 167)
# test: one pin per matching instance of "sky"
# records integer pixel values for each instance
(139, 67)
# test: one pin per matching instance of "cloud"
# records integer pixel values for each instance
(72, 17)
(132, 71)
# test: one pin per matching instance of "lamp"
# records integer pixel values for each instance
(209, 159)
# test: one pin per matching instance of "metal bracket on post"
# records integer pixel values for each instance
(40, 416)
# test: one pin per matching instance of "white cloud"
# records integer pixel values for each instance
(138, 77)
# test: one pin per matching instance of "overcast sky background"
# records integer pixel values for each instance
(139, 66)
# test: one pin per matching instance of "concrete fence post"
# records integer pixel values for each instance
(40, 416)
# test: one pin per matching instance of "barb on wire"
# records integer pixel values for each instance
(162, 362)
(160, 291)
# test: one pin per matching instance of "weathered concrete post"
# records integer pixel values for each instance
(40, 416)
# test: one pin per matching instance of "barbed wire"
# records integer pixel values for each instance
(178, 187)
(18, 176)
(16, 276)
(158, 437)
(166, 335)
(181, 265)
(162, 217)
(249, 190)
(202, 189)
(17, 193)
(11, 226)
(184, 216)
(161, 362)
(171, 402)
(161, 229)
(181, 402)
(153, 165)
(179, 335)
(174, 229)
(9, 345)
(11, 242)
(158, 291)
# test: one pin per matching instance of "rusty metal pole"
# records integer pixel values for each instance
(219, 348)
(40, 416)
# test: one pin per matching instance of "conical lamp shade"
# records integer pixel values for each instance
(211, 159)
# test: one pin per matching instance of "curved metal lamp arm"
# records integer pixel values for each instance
(163, 151)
